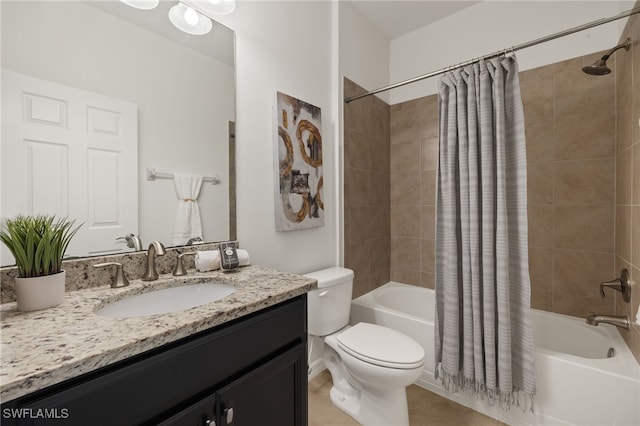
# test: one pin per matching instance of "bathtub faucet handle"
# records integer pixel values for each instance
(620, 284)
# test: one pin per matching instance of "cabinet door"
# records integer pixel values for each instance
(202, 413)
(273, 394)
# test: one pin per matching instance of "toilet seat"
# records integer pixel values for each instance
(381, 346)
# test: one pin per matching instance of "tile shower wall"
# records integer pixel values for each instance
(571, 142)
(627, 231)
(414, 160)
(366, 196)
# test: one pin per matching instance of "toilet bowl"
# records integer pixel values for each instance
(370, 365)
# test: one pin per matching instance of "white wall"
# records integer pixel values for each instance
(364, 51)
(286, 47)
(494, 25)
(176, 129)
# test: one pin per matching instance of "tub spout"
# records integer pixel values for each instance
(619, 321)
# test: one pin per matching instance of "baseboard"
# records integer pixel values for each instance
(315, 368)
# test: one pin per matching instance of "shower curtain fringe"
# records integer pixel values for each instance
(506, 399)
(502, 52)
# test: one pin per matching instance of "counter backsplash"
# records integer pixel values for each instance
(81, 274)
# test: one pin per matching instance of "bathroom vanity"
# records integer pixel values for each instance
(241, 362)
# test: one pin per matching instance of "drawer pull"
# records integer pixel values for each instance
(229, 413)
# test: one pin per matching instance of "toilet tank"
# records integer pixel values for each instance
(329, 306)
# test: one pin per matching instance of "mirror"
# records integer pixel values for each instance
(169, 95)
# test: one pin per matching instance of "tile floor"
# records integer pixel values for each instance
(425, 408)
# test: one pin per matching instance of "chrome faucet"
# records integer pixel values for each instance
(133, 241)
(619, 321)
(155, 249)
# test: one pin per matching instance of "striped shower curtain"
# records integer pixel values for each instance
(483, 338)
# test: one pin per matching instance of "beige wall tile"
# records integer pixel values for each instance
(622, 308)
(540, 183)
(575, 92)
(428, 280)
(635, 172)
(405, 157)
(405, 188)
(537, 96)
(379, 278)
(624, 121)
(357, 187)
(406, 276)
(541, 274)
(380, 255)
(360, 261)
(357, 150)
(623, 177)
(380, 153)
(540, 226)
(429, 117)
(635, 302)
(635, 51)
(405, 221)
(405, 124)
(428, 222)
(359, 224)
(623, 60)
(367, 191)
(428, 188)
(380, 117)
(379, 222)
(586, 135)
(635, 236)
(582, 228)
(429, 154)
(584, 182)
(406, 254)
(623, 232)
(539, 134)
(576, 283)
(428, 263)
(380, 189)
(356, 115)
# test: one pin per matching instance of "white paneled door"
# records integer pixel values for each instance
(71, 153)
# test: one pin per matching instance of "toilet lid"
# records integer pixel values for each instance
(381, 346)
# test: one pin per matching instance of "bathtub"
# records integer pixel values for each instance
(577, 383)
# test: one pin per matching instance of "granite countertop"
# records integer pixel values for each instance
(42, 348)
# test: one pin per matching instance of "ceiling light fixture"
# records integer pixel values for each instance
(189, 20)
(213, 7)
(142, 4)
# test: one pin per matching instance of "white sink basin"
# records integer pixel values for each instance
(166, 300)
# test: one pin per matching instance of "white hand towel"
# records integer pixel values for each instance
(188, 224)
(207, 260)
(243, 257)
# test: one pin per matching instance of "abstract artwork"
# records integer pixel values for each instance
(299, 203)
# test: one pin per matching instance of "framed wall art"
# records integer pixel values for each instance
(298, 136)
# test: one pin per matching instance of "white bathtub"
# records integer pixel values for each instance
(577, 384)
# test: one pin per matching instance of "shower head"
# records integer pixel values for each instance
(600, 67)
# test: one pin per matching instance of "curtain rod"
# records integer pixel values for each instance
(500, 53)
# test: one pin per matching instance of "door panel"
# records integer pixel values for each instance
(71, 153)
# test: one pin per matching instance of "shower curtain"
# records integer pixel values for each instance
(483, 337)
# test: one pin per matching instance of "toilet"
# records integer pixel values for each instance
(370, 365)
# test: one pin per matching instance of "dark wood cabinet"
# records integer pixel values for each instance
(249, 371)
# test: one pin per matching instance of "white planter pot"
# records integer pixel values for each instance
(40, 292)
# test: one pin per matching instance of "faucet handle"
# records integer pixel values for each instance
(180, 269)
(620, 284)
(120, 280)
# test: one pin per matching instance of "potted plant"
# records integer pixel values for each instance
(38, 244)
